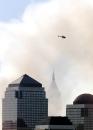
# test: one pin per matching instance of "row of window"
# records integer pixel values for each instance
(19, 94)
(84, 112)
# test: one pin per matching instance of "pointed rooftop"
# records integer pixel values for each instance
(53, 76)
(25, 81)
(53, 90)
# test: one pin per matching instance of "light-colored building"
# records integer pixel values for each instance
(24, 104)
(54, 98)
(81, 112)
(55, 123)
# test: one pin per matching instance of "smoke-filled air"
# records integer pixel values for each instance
(31, 45)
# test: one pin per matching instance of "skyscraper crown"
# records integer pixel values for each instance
(24, 81)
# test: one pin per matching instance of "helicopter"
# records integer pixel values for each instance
(62, 36)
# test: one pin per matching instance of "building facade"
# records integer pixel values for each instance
(55, 123)
(81, 112)
(24, 104)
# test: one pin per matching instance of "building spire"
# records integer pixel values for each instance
(53, 76)
(53, 94)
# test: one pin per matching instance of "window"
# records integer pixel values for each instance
(21, 123)
(84, 112)
(80, 127)
(18, 94)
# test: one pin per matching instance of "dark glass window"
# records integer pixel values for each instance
(84, 112)
(21, 123)
(80, 127)
(18, 94)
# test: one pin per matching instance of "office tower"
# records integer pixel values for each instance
(55, 123)
(81, 112)
(54, 98)
(24, 104)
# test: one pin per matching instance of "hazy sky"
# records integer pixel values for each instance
(29, 44)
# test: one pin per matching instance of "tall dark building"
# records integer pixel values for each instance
(81, 112)
(24, 104)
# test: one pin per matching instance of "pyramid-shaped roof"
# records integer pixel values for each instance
(26, 81)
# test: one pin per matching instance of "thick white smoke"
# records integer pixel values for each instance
(30, 45)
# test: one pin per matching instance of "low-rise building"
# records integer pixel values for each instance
(55, 123)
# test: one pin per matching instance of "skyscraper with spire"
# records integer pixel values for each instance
(54, 98)
(24, 104)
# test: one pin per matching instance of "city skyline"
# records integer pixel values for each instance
(29, 43)
(26, 106)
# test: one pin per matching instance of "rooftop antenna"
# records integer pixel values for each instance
(53, 76)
